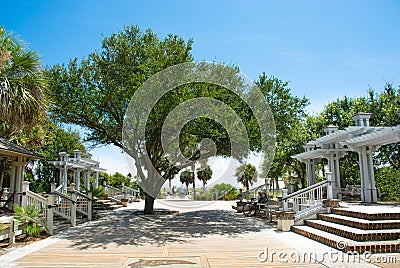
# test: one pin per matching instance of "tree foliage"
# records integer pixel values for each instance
(186, 178)
(204, 174)
(289, 115)
(246, 174)
(22, 87)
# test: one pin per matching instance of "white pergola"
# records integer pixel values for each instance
(361, 138)
(77, 164)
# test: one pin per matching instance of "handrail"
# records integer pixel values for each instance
(83, 195)
(114, 189)
(36, 196)
(305, 190)
(64, 196)
(59, 188)
(130, 189)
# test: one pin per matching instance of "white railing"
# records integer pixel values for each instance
(58, 203)
(308, 200)
(130, 193)
(59, 188)
(114, 193)
(64, 206)
(83, 203)
(35, 200)
(45, 205)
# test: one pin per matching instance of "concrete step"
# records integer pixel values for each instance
(354, 233)
(372, 213)
(345, 244)
(110, 203)
(116, 206)
(101, 201)
(360, 223)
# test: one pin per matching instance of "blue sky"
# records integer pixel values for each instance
(326, 49)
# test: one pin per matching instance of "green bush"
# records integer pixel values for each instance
(32, 217)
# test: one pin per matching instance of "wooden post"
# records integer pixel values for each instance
(73, 208)
(50, 213)
(13, 228)
(329, 190)
(52, 187)
(90, 206)
(25, 189)
(284, 201)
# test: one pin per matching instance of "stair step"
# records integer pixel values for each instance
(116, 206)
(360, 223)
(102, 201)
(110, 203)
(347, 245)
(354, 233)
(366, 214)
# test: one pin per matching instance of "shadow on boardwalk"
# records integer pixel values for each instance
(131, 227)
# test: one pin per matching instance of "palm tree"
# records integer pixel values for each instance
(246, 174)
(186, 178)
(22, 86)
(204, 174)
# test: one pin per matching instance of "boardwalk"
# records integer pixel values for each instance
(200, 236)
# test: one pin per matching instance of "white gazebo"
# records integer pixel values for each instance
(361, 138)
(19, 157)
(78, 165)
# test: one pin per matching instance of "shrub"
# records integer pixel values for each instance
(32, 217)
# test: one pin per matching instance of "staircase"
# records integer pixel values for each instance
(106, 204)
(357, 228)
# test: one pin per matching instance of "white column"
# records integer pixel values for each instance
(308, 172)
(75, 177)
(337, 173)
(65, 179)
(368, 190)
(87, 180)
(332, 169)
(96, 180)
(12, 177)
(371, 177)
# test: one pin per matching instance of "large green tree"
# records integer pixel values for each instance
(95, 92)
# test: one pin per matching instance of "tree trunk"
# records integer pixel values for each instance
(194, 191)
(149, 205)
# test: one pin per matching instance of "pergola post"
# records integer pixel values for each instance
(333, 165)
(368, 189)
(96, 180)
(87, 179)
(310, 172)
(63, 171)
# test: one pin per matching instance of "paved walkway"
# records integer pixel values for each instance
(200, 236)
